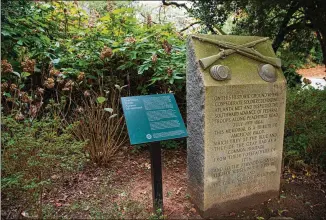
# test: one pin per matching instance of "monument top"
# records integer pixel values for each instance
(244, 56)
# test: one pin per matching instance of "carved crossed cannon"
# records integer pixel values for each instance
(244, 49)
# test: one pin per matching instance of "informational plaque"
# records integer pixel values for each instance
(152, 118)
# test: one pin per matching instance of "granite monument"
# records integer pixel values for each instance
(235, 118)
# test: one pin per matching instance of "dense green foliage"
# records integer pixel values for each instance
(305, 127)
(67, 45)
(33, 154)
(55, 52)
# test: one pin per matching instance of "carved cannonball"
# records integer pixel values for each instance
(267, 72)
(220, 72)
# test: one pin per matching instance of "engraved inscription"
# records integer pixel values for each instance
(244, 140)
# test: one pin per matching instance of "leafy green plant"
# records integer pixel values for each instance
(32, 152)
(139, 147)
(58, 48)
(293, 79)
(157, 215)
(305, 127)
(55, 51)
(172, 144)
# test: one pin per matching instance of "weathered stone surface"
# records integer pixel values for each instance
(235, 130)
(195, 127)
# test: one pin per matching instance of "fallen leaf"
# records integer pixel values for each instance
(24, 213)
(147, 165)
(54, 177)
(123, 194)
(64, 198)
(193, 210)
(178, 191)
(87, 208)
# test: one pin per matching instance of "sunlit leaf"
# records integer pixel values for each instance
(143, 68)
(105, 18)
(37, 69)
(20, 42)
(25, 74)
(16, 73)
(5, 33)
(56, 61)
(177, 77)
(101, 99)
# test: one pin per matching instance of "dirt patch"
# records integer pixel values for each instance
(176, 199)
(317, 72)
(302, 196)
(123, 190)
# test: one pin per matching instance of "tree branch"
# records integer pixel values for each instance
(189, 26)
(295, 26)
(322, 41)
(283, 31)
(183, 5)
(146, 18)
(219, 30)
(210, 27)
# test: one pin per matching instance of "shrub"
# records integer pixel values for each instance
(100, 123)
(32, 152)
(290, 65)
(54, 51)
(173, 144)
(305, 127)
(293, 79)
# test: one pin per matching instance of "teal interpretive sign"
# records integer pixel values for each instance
(153, 118)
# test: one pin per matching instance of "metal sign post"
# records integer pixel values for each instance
(151, 119)
(156, 169)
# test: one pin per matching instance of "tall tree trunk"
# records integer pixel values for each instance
(315, 12)
(322, 40)
(283, 30)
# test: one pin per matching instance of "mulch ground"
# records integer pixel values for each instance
(316, 72)
(123, 190)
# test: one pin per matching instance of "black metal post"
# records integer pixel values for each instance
(156, 169)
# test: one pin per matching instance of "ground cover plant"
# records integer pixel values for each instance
(33, 155)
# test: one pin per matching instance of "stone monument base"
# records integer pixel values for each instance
(236, 205)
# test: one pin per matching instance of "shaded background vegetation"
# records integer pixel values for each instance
(64, 69)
